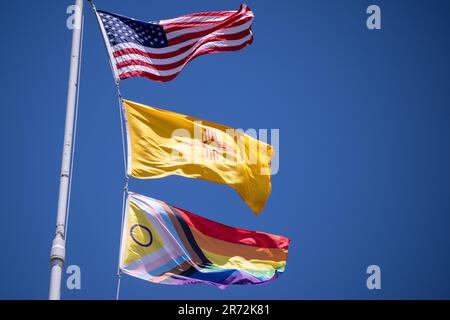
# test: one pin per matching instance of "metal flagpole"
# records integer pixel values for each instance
(58, 250)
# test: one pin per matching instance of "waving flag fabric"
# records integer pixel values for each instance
(160, 50)
(169, 245)
(162, 143)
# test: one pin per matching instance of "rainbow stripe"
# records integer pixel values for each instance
(169, 245)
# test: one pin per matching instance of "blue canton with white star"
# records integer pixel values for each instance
(121, 29)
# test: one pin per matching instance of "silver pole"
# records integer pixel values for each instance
(58, 251)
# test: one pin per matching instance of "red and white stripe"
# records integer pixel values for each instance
(189, 36)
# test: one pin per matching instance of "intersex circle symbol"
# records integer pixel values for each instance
(148, 244)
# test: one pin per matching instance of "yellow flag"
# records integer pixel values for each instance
(162, 143)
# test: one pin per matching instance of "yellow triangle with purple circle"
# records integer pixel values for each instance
(142, 238)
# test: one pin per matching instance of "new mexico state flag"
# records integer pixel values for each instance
(162, 143)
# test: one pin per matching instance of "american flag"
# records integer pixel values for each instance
(160, 50)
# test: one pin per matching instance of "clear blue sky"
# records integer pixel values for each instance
(364, 125)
